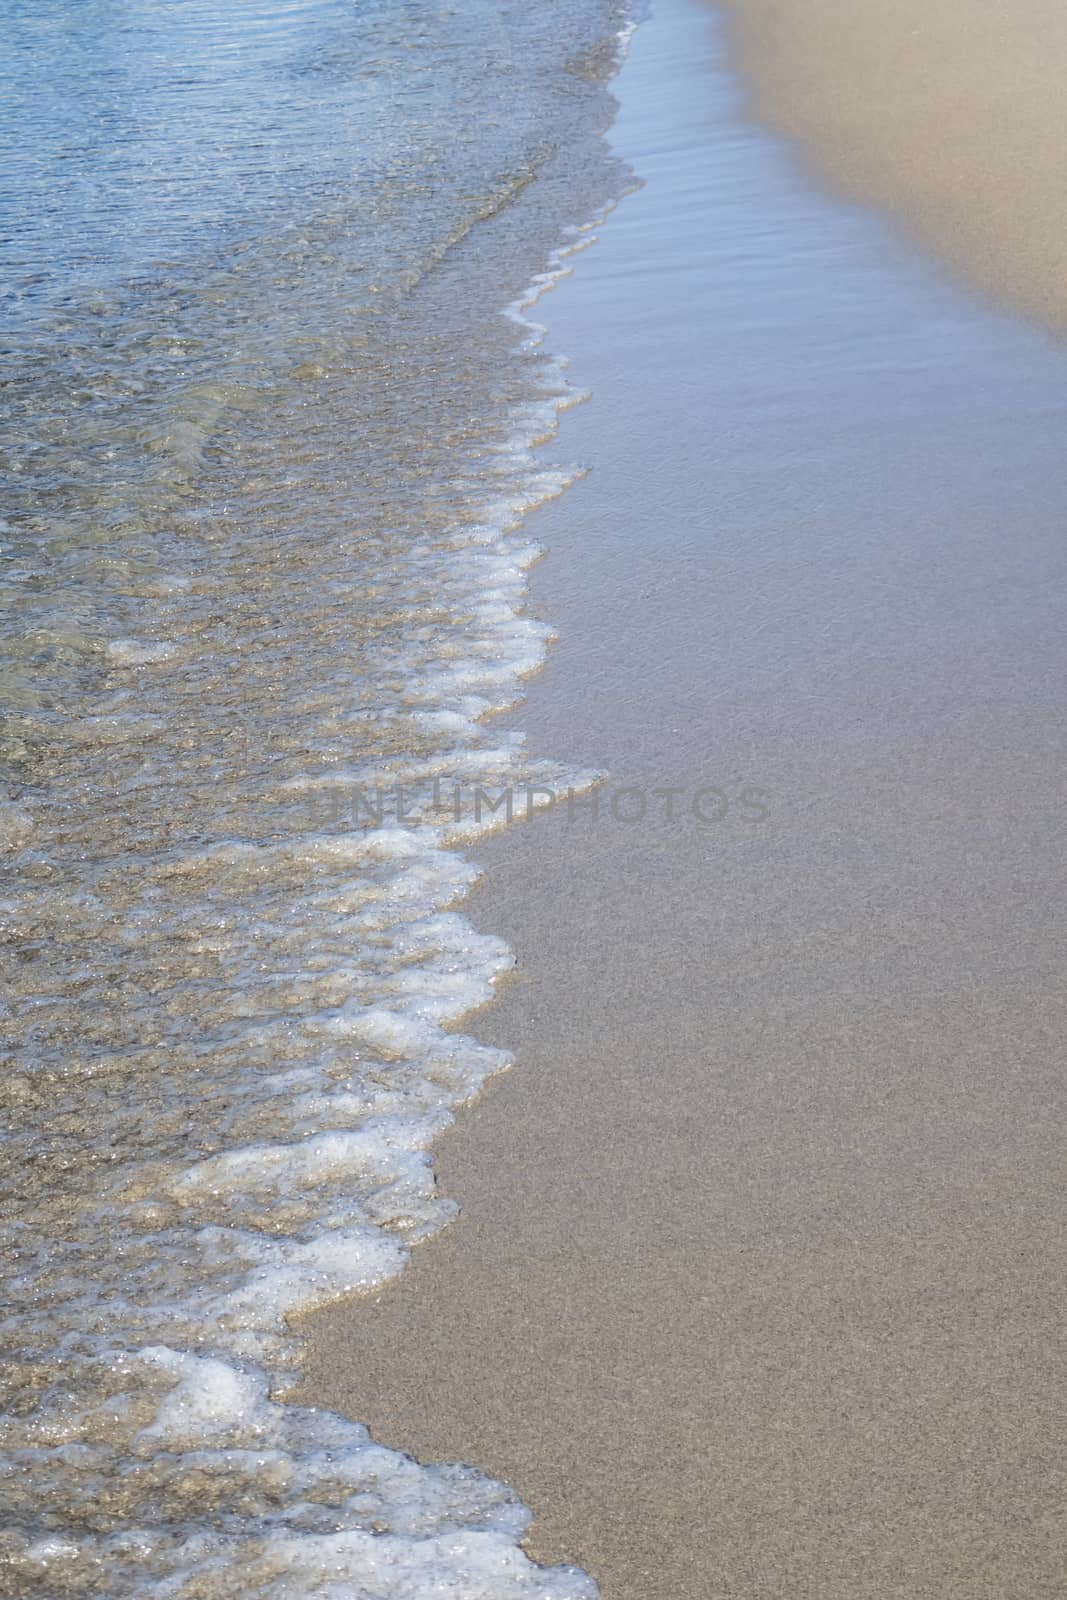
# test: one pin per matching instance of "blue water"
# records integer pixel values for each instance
(139, 140)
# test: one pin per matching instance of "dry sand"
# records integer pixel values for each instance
(950, 113)
(754, 1289)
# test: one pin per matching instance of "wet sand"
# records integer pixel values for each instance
(754, 1289)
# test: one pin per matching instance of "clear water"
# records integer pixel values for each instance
(268, 440)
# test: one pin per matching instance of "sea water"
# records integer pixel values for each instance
(271, 403)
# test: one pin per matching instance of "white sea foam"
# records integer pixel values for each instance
(137, 652)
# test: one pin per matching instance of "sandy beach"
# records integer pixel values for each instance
(950, 115)
(753, 1289)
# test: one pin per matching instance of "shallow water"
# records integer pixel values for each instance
(268, 437)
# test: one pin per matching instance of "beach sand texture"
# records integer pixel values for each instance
(753, 1290)
(950, 113)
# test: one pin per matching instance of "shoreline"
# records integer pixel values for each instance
(748, 1290)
